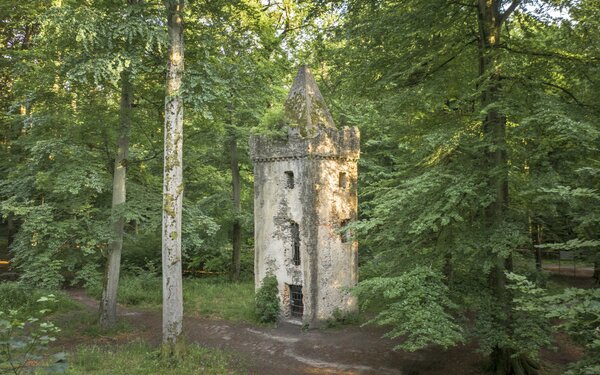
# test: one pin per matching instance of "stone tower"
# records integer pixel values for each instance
(304, 193)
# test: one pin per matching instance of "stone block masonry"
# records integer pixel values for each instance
(305, 192)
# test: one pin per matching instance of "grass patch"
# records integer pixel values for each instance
(140, 358)
(214, 297)
(75, 324)
(219, 298)
(16, 296)
(141, 290)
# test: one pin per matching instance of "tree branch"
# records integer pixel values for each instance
(550, 54)
(511, 8)
(567, 92)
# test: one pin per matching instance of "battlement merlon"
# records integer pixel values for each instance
(327, 143)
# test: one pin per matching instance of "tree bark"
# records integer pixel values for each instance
(494, 127)
(10, 229)
(108, 303)
(490, 20)
(536, 238)
(173, 185)
(236, 230)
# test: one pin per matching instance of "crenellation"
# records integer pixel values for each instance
(328, 143)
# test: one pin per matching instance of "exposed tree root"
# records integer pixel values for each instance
(505, 363)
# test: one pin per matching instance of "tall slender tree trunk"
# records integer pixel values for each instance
(236, 230)
(108, 303)
(173, 186)
(536, 239)
(490, 20)
(10, 229)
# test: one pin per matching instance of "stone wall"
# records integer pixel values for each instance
(319, 205)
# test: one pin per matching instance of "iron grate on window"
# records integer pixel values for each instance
(296, 304)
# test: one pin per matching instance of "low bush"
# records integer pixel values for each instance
(267, 300)
(24, 339)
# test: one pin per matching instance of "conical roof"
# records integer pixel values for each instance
(305, 107)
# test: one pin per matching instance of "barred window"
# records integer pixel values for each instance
(296, 304)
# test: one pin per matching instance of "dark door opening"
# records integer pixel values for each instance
(296, 305)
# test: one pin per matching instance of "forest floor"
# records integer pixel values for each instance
(287, 349)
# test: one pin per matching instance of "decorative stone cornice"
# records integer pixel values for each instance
(327, 143)
(298, 157)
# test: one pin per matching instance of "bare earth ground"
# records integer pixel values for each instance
(289, 350)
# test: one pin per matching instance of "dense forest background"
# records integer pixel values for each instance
(480, 126)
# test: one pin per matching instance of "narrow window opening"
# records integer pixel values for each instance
(295, 243)
(345, 234)
(343, 180)
(289, 179)
(296, 304)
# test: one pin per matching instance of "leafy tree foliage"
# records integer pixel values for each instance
(479, 122)
(472, 138)
(67, 83)
(419, 300)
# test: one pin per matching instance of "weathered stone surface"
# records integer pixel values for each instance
(305, 107)
(319, 202)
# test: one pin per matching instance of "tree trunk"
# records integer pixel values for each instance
(236, 230)
(490, 19)
(494, 129)
(10, 229)
(173, 186)
(108, 303)
(597, 273)
(536, 239)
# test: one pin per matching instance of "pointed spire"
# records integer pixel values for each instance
(305, 107)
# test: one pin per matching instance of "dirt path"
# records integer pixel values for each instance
(570, 270)
(289, 350)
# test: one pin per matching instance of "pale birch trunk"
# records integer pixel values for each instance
(173, 185)
(108, 303)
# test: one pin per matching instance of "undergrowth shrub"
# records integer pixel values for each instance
(24, 338)
(17, 296)
(137, 286)
(267, 301)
